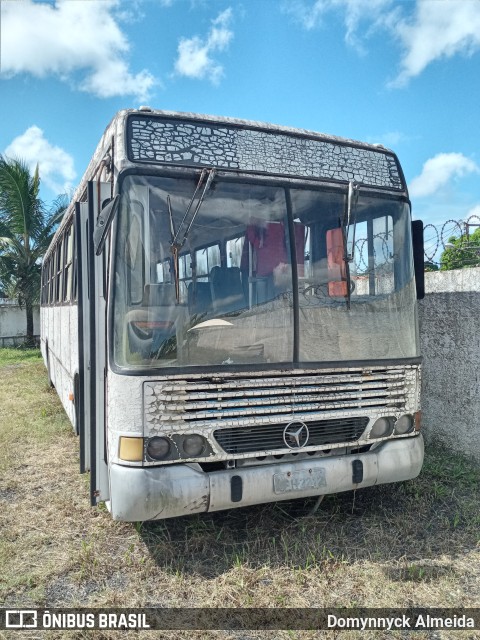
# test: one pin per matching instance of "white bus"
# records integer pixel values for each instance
(229, 315)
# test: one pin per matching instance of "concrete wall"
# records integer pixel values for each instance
(13, 322)
(450, 344)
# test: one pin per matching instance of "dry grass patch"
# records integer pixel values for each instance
(411, 544)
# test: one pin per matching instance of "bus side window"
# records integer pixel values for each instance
(374, 257)
(49, 280)
(59, 275)
(206, 259)
(54, 274)
(165, 272)
(69, 266)
(185, 274)
(63, 291)
(71, 245)
(42, 299)
(75, 266)
(234, 248)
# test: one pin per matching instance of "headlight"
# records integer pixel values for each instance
(404, 425)
(193, 446)
(158, 448)
(382, 428)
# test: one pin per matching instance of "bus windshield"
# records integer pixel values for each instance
(230, 273)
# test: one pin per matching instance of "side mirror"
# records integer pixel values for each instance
(104, 221)
(418, 257)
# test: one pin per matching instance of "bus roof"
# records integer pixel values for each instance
(152, 136)
(160, 137)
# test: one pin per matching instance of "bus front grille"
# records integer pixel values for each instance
(249, 412)
(271, 437)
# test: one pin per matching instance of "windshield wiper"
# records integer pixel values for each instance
(175, 243)
(349, 220)
(211, 174)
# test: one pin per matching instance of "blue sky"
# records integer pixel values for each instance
(402, 73)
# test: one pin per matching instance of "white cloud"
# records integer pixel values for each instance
(312, 15)
(56, 166)
(439, 29)
(194, 54)
(112, 78)
(439, 171)
(436, 29)
(71, 37)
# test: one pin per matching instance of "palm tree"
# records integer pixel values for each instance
(26, 230)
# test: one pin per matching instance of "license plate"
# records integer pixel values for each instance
(299, 480)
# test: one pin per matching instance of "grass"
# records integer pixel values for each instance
(410, 544)
(19, 355)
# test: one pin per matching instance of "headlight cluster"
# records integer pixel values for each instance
(174, 447)
(178, 446)
(384, 427)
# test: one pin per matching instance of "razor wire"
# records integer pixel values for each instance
(374, 255)
(446, 236)
(377, 253)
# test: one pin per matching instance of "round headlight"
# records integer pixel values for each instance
(193, 445)
(383, 427)
(158, 448)
(404, 425)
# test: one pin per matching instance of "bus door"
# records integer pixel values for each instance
(93, 344)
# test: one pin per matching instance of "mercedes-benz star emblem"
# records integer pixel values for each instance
(295, 435)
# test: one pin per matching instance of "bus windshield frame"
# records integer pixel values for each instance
(261, 278)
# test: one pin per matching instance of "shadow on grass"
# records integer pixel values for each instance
(424, 518)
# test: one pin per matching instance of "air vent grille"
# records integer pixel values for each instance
(335, 404)
(270, 437)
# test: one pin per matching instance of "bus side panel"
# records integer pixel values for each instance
(59, 351)
(73, 321)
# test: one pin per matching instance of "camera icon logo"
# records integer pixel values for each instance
(21, 619)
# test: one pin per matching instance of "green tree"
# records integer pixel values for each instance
(464, 252)
(26, 230)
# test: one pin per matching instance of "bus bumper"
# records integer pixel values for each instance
(155, 493)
